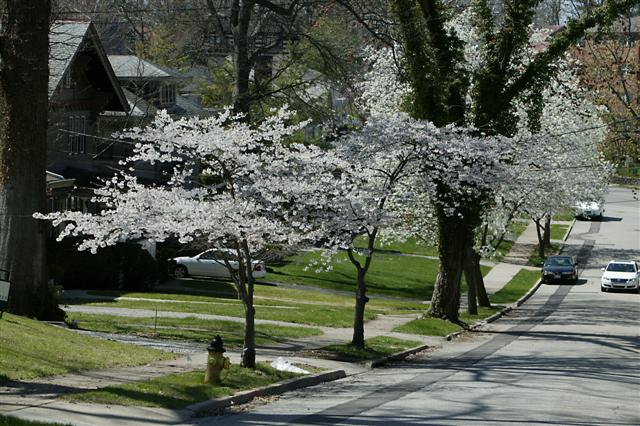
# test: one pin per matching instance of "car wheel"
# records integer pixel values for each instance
(603, 289)
(180, 272)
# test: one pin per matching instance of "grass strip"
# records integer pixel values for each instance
(208, 291)
(429, 326)
(565, 215)
(177, 391)
(535, 260)
(320, 315)
(376, 347)
(519, 285)
(30, 349)
(194, 329)
(558, 231)
(14, 421)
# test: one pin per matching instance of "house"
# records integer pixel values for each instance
(149, 87)
(82, 85)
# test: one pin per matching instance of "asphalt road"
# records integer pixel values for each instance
(569, 356)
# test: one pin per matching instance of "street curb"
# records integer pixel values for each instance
(566, 235)
(274, 389)
(397, 356)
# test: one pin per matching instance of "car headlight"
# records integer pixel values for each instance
(606, 280)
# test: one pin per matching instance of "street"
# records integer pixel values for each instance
(569, 355)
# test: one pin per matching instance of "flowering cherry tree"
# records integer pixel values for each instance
(237, 185)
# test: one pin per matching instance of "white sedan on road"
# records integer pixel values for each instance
(211, 263)
(620, 274)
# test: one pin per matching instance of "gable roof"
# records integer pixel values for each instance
(130, 67)
(66, 40)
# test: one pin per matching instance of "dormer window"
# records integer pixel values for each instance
(168, 94)
(67, 80)
(76, 134)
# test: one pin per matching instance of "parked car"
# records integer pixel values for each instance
(211, 263)
(620, 274)
(589, 210)
(560, 268)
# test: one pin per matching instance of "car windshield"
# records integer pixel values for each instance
(559, 261)
(621, 267)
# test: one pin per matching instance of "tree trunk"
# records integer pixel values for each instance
(539, 233)
(24, 104)
(361, 301)
(453, 236)
(472, 285)
(248, 358)
(547, 231)
(240, 21)
(481, 290)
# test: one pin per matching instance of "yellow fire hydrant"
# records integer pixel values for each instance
(215, 361)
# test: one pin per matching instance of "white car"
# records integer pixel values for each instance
(211, 263)
(620, 274)
(589, 209)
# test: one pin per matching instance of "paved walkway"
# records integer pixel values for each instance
(516, 259)
(35, 399)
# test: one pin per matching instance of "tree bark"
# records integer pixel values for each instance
(358, 320)
(539, 233)
(240, 20)
(453, 236)
(24, 104)
(248, 357)
(361, 291)
(546, 238)
(472, 285)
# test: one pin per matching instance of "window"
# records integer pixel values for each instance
(67, 80)
(76, 134)
(168, 94)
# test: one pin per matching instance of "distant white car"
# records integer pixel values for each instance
(211, 263)
(589, 209)
(620, 274)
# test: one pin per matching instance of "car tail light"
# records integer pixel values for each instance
(257, 268)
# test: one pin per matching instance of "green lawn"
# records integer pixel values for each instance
(565, 215)
(376, 347)
(306, 295)
(409, 246)
(177, 391)
(438, 327)
(558, 231)
(14, 421)
(516, 288)
(31, 349)
(189, 328)
(390, 274)
(303, 314)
